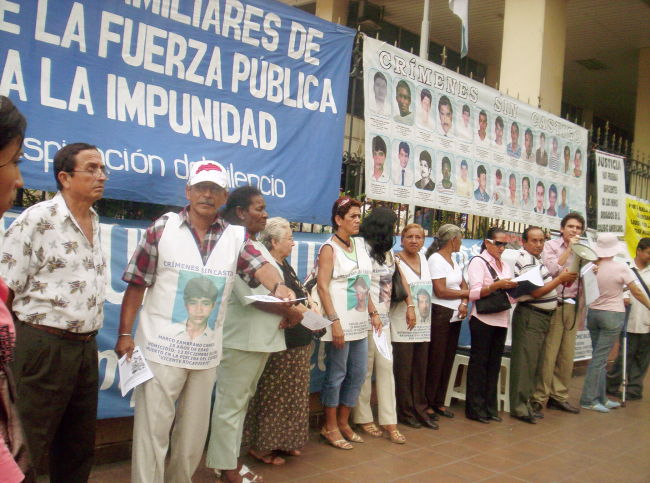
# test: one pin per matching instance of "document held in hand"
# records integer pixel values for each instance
(134, 371)
(527, 282)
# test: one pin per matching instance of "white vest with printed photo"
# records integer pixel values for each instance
(421, 291)
(161, 330)
(350, 290)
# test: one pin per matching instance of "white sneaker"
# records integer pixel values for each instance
(612, 404)
(595, 407)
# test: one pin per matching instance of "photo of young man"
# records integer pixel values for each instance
(425, 182)
(480, 193)
(379, 170)
(446, 116)
(402, 174)
(514, 148)
(403, 99)
(464, 125)
(463, 183)
(378, 102)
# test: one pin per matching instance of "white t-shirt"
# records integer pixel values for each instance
(453, 275)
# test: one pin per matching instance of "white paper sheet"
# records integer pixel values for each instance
(384, 348)
(589, 283)
(313, 321)
(455, 317)
(133, 372)
(270, 299)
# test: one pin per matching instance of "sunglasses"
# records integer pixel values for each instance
(498, 244)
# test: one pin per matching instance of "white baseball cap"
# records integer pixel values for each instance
(211, 171)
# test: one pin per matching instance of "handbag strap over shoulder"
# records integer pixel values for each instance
(493, 274)
(638, 275)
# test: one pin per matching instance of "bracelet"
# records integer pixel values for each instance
(410, 306)
(372, 314)
(463, 303)
(332, 317)
(124, 335)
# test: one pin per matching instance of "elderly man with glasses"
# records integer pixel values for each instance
(53, 263)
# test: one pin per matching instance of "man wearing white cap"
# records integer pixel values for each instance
(176, 249)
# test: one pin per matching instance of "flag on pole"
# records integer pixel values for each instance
(460, 8)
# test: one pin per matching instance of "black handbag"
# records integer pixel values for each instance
(497, 301)
(397, 293)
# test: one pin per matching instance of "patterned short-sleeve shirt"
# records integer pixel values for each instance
(58, 277)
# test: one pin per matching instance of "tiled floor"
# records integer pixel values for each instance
(589, 447)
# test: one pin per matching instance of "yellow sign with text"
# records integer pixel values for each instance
(637, 222)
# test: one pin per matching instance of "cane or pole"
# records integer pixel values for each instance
(624, 349)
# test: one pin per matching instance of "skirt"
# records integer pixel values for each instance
(278, 414)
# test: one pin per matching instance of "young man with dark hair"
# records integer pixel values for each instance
(638, 335)
(530, 323)
(559, 347)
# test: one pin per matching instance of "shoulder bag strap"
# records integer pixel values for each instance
(493, 274)
(638, 275)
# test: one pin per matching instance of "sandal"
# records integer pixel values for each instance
(247, 476)
(396, 437)
(245, 473)
(337, 443)
(371, 429)
(352, 436)
(268, 458)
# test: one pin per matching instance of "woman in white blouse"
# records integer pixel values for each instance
(449, 307)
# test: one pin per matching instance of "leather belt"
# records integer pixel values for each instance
(64, 334)
(535, 309)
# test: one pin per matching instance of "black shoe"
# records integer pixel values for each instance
(633, 397)
(495, 418)
(443, 412)
(538, 415)
(526, 419)
(429, 424)
(410, 422)
(479, 419)
(433, 416)
(537, 407)
(562, 406)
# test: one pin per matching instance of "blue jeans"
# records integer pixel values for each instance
(345, 372)
(604, 328)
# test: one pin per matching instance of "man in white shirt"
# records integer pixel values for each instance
(403, 171)
(446, 116)
(464, 127)
(638, 336)
(379, 172)
(380, 90)
(482, 137)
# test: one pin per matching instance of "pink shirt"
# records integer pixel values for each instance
(612, 277)
(553, 250)
(479, 276)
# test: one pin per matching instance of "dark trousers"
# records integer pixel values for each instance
(410, 369)
(638, 360)
(56, 382)
(484, 365)
(442, 350)
(529, 329)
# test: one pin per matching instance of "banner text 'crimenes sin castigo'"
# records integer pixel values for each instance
(438, 139)
(257, 85)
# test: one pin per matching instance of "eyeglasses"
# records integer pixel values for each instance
(96, 172)
(498, 244)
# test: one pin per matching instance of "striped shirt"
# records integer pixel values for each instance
(526, 261)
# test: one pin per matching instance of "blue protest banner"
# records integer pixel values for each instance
(257, 85)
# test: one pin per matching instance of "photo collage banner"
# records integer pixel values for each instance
(437, 139)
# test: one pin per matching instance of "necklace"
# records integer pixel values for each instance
(346, 243)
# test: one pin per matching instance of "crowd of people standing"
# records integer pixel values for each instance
(192, 282)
